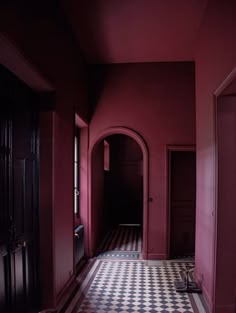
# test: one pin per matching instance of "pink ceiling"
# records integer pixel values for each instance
(121, 31)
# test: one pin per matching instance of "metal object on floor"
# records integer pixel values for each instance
(187, 285)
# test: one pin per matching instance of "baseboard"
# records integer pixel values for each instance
(225, 308)
(64, 295)
(156, 256)
(205, 293)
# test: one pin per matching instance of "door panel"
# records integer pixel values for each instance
(19, 199)
(24, 213)
(182, 203)
(19, 196)
(4, 281)
(5, 261)
(19, 290)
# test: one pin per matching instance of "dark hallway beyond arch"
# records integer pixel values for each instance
(124, 181)
(138, 155)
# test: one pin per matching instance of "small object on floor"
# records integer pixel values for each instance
(187, 285)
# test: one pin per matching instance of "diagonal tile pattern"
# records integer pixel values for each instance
(118, 280)
(123, 238)
(132, 286)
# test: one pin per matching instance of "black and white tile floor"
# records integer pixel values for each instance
(130, 286)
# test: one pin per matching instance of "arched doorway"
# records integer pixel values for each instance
(96, 181)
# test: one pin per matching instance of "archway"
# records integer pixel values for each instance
(92, 153)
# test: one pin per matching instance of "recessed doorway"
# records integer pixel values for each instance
(118, 187)
(182, 202)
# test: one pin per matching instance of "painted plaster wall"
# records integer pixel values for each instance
(45, 203)
(226, 214)
(84, 182)
(98, 226)
(158, 102)
(215, 59)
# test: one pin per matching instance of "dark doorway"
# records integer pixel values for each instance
(124, 180)
(123, 194)
(107, 195)
(182, 185)
(18, 196)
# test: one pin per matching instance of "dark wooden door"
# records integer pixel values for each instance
(182, 203)
(19, 203)
(5, 260)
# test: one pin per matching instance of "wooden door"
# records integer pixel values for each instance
(19, 205)
(5, 260)
(182, 203)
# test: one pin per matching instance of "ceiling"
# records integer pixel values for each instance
(124, 31)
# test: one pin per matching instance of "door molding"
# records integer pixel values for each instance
(219, 92)
(169, 150)
(142, 144)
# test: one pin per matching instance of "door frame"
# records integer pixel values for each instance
(169, 150)
(142, 144)
(221, 90)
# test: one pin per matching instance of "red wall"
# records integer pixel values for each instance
(157, 100)
(98, 226)
(83, 185)
(215, 59)
(225, 291)
(46, 204)
(42, 40)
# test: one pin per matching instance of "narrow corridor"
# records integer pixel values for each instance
(123, 241)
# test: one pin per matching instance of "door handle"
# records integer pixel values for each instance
(20, 244)
(76, 235)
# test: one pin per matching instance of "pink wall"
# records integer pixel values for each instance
(84, 183)
(45, 43)
(157, 101)
(215, 59)
(97, 202)
(63, 200)
(225, 291)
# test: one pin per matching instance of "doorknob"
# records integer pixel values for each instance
(20, 244)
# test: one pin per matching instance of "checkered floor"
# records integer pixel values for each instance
(123, 238)
(135, 287)
(119, 255)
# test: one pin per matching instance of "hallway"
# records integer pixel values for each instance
(123, 241)
(109, 285)
(138, 83)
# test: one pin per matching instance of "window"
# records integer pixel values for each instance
(106, 156)
(76, 174)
